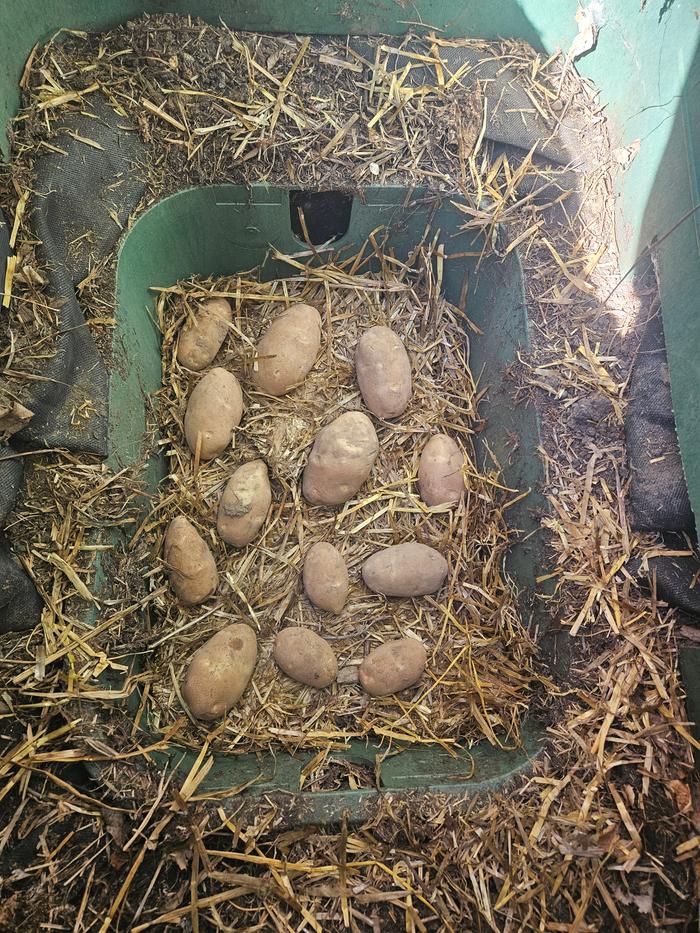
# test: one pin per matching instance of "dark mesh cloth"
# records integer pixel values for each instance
(658, 492)
(83, 200)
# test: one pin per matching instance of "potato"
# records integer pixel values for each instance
(393, 666)
(190, 563)
(341, 459)
(440, 478)
(201, 336)
(326, 577)
(214, 410)
(383, 372)
(244, 504)
(410, 569)
(305, 656)
(287, 350)
(220, 671)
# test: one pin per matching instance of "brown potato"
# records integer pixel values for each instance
(244, 504)
(214, 410)
(202, 335)
(326, 577)
(287, 350)
(410, 569)
(341, 459)
(190, 563)
(220, 671)
(440, 478)
(383, 372)
(393, 666)
(305, 656)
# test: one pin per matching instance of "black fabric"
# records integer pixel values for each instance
(84, 196)
(515, 127)
(20, 604)
(10, 469)
(5, 249)
(677, 578)
(658, 492)
(511, 117)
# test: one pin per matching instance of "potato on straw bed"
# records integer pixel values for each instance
(481, 672)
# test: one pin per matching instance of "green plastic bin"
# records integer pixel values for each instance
(647, 68)
(225, 229)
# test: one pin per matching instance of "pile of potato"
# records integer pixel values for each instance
(340, 462)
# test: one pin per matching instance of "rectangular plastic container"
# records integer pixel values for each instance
(225, 229)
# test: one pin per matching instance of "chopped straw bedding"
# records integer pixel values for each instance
(606, 832)
(481, 669)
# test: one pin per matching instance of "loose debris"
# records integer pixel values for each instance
(14, 417)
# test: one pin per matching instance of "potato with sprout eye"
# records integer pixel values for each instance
(190, 563)
(220, 671)
(341, 459)
(392, 667)
(214, 411)
(203, 334)
(383, 372)
(244, 504)
(287, 350)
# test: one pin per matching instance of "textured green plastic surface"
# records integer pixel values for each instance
(645, 65)
(226, 229)
(414, 769)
